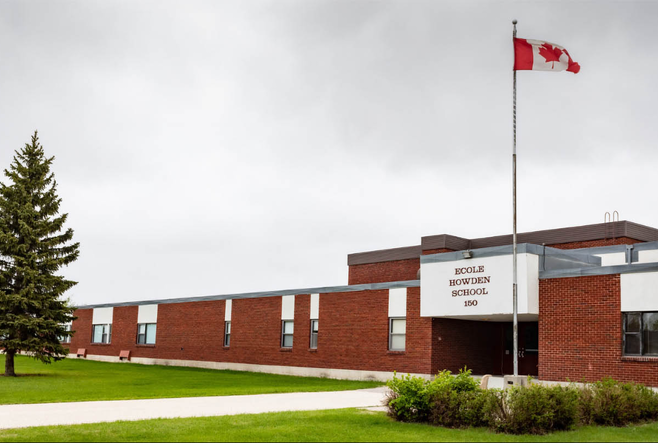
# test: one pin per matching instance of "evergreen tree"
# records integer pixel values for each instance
(33, 247)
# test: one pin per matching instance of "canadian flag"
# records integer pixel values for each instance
(536, 55)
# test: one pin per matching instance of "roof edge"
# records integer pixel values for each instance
(260, 294)
(383, 255)
(549, 237)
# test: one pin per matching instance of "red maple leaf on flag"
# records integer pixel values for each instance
(550, 53)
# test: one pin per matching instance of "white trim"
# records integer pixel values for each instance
(612, 259)
(638, 292)
(102, 316)
(228, 310)
(147, 314)
(647, 256)
(315, 306)
(397, 302)
(288, 307)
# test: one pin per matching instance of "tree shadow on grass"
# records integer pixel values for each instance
(26, 375)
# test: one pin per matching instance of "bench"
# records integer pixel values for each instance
(124, 355)
(82, 352)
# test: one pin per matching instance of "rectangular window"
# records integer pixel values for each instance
(641, 333)
(397, 334)
(146, 333)
(314, 334)
(287, 328)
(650, 333)
(102, 334)
(66, 338)
(227, 333)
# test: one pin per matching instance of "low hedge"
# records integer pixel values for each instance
(457, 402)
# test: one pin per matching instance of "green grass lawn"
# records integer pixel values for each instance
(82, 380)
(333, 425)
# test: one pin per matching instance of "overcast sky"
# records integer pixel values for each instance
(209, 147)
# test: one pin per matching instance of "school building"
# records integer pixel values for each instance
(588, 308)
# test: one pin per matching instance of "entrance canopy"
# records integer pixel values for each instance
(477, 285)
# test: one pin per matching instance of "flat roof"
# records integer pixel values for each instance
(548, 237)
(320, 290)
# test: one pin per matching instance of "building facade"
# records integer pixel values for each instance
(588, 308)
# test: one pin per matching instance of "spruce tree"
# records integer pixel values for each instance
(33, 246)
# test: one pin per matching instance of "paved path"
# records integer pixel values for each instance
(47, 414)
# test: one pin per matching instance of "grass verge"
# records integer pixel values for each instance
(82, 380)
(333, 425)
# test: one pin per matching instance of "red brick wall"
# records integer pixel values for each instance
(82, 327)
(124, 329)
(185, 331)
(459, 343)
(353, 333)
(596, 243)
(580, 332)
(398, 270)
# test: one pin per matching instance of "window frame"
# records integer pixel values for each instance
(145, 334)
(66, 339)
(227, 333)
(105, 334)
(314, 333)
(284, 334)
(391, 334)
(640, 333)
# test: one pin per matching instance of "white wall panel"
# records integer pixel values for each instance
(613, 259)
(639, 292)
(102, 316)
(147, 314)
(288, 307)
(397, 302)
(315, 306)
(227, 310)
(650, 256)
(530, 280)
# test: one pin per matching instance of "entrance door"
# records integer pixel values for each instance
(528, 349)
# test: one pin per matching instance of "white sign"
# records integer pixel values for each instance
(478, 287)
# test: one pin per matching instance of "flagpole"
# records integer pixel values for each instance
(514, 272)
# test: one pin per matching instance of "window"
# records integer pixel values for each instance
(65, 338)
(102, 334)
(397, 335)
(227, 333)
(287, 328)
(146, 333)
(641, 333)
(314, 334)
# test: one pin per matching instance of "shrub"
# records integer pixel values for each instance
(454, 409)
(608, 402)
(412, 398)
(409, 399)
(462, 382)
(539, 409)
(457, 401)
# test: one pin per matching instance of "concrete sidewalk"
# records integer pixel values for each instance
(48, 414)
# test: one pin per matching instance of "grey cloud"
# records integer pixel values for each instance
(210, 147)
